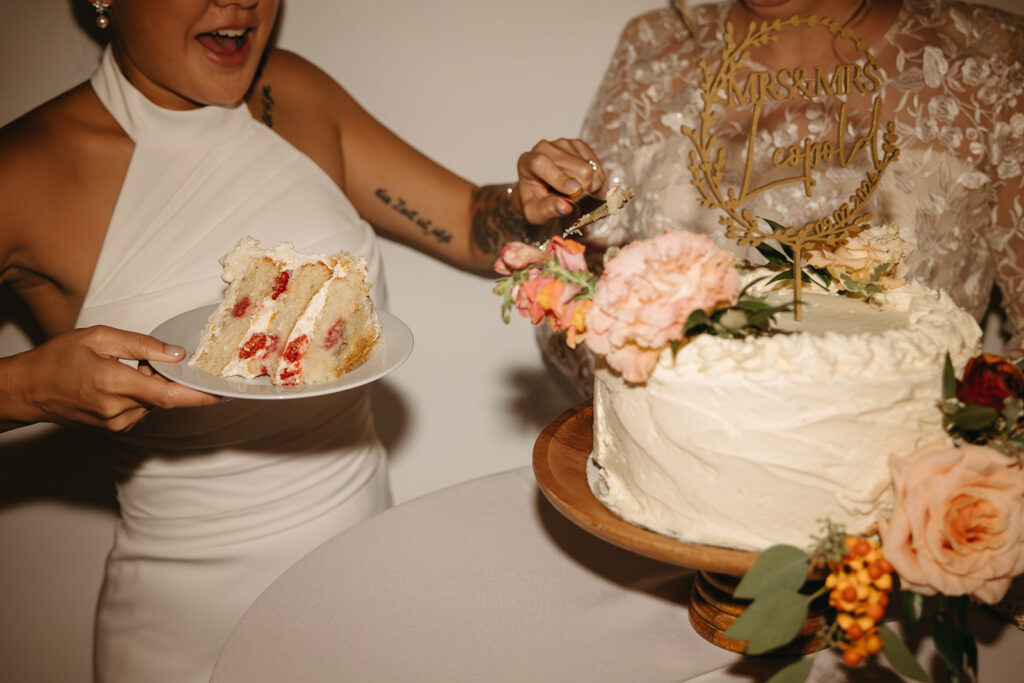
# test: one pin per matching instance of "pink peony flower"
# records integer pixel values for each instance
(647, 292)
(568, 253)
(518, 255)
(957, 525)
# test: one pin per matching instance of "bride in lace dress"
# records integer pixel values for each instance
(950, 80)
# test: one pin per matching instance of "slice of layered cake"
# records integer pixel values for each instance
(298, 319)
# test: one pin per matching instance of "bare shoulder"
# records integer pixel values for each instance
(61, 168)
(297, 83)
(306, 107)
(46, 144)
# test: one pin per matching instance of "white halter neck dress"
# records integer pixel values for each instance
(216, 502)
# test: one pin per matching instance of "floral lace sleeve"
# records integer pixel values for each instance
(627, 111)
(953, 85)
(1007, 153)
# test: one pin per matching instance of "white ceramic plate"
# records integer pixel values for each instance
(394, 347)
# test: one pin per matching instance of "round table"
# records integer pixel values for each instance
(485, 581)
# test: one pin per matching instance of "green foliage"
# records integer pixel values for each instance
(783, 259)
(981, 424)
(749, 316)
(831, 546)
(954, 640)
(913, 608)
(772, 620)
(780, 566)
(797, 672)
(507, 286)
(948, 380)
(778, 610)
(947, 617)
(899, 656)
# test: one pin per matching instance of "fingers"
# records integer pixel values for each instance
(77, 377)
(152, 390)
(556, 174)
(113, 343)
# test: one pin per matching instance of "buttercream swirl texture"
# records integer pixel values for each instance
(746, 443)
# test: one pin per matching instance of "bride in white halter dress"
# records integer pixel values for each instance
(216, 502)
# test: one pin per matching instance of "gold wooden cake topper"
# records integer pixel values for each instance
(721, 89)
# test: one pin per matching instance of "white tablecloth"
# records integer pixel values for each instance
(485, 581)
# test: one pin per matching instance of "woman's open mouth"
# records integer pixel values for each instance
(225, 42)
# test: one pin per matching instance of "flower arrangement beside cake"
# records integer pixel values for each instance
(721, 420)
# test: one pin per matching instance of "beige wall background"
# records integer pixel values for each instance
(472, 83)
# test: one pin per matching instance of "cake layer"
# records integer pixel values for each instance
(299, 319)
(746, 443)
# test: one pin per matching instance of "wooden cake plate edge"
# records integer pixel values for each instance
(560, 456)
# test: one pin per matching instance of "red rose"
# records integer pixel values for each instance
(989, 380)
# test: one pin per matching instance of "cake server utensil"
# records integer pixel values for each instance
(595, 208)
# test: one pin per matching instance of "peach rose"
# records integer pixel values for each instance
(647, 292)
(957, 525)
(858, 256)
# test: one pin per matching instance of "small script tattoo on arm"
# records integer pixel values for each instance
(267, 100)
(496, 221)
(426, 225)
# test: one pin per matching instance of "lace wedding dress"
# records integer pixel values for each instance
(951, 83)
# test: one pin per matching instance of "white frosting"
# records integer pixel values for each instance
(307, 320)
(234, 266)
(750, 442)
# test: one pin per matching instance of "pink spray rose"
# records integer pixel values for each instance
(647, 292)
(518, 255)
(957, 525)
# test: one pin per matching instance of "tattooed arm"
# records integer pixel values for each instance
(530, 209)
(404, 194)
(497, 221)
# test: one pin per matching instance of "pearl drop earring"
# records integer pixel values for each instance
(102, 20)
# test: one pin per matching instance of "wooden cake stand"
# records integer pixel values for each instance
(560, 457)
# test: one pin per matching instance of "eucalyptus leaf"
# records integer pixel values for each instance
(900, 657)
(974, 417)
(780, 566)
(797, 672)
(771, 621)
(784, 275)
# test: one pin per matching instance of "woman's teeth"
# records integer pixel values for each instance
(224, 41)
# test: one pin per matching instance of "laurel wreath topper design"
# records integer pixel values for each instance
(707, 159)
